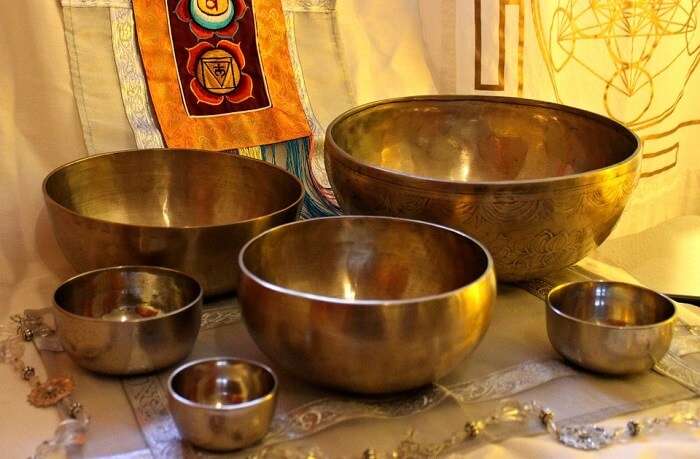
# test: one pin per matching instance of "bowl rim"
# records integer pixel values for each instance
(419, 181)
(49, 199)
(229, 407)
(147, 268)
(487, 272)
(564, 315)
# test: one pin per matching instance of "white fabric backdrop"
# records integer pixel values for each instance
(40, 129)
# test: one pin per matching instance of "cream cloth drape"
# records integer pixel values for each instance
(635, 61)
(389, 49)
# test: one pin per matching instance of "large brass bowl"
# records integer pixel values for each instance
(366, 304)
(540, 184)
(183, 209)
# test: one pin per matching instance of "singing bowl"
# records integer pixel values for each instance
(540, 184)
(183, 209)
(105, 318)
(610, 327)
(366, 304)
(222, 403)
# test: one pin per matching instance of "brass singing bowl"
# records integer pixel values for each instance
(540, 184)
(366, 304)
(222, 403)
(610, 327)
(128, 319)
(183, 209)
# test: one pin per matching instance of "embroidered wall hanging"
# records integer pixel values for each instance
(219, 73)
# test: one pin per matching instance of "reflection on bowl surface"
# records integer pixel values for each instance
(222, 403)
(367, 259)
(402, 301)
(540, 184)
(222, 382)
(184, 209)
(610, 327)
(128, 319)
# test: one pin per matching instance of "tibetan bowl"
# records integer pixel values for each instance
(540, 184)
(128, 319)
(610, 327)
(222, 403)
(183, 209)
(366, 304)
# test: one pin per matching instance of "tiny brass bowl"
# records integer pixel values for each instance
(188, 210)
(609, 327)
(539, 184)
(366, 304)
(128, 319)
(222, 403)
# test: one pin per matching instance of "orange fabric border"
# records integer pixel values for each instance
(285, 120)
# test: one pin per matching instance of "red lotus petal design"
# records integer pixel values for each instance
(241, 7)
(235, 50)
(194, 53)
(203, 95)
(228, 31)
(182, 11)
(200, 32)
(243, 91)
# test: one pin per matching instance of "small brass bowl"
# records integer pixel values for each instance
(609, 327)
(539, 184)
(222, 403)
(183, 209)
(128, 319)
(366, 304)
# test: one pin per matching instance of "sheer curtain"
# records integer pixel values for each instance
(633, 61)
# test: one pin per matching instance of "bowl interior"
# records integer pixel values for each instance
(612, 303)
(365, 258)
(127, 294)
(481, 139)
(178, 188)
(222, 382)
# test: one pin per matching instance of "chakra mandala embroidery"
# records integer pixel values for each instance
(217, 73)
(207, 18)
(217, 57)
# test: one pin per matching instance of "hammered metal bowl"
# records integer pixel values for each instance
(610, 327)
(540, 184)
(222, 403)
(366, 304)
(128, 319)
(183, 209)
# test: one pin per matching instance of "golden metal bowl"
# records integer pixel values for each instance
(366, 304)
(128, 319)
(222, 403)
(540, 184)
(610, 327)
(183, 209)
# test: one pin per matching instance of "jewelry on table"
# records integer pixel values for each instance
(578, 436)
(72, 431)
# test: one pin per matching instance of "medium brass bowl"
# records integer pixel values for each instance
(183, 209)
(128, 319)
(540, 184)
(366, 304)
(222, 403)
(610, 327)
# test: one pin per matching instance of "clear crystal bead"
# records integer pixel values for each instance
(71, 432)
(585, 437)
(684, 413)
(511, 411)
